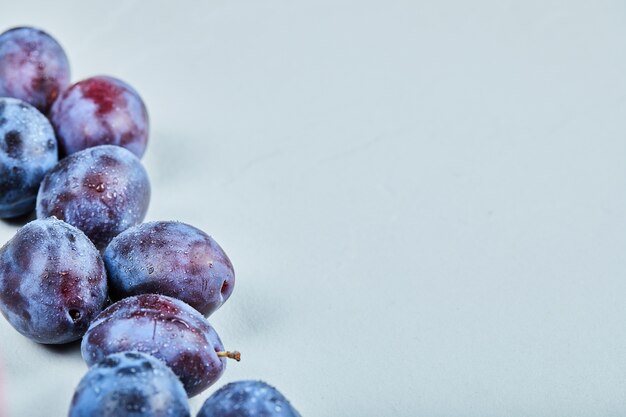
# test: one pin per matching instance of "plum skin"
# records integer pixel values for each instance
(164, 327)
(33, 67)
(100, 110)
(129, 384)
(28, 150)
(101, 190)
(170, 258)
(52, 281)
(247, 399)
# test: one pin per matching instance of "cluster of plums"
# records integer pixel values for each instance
(137, 293)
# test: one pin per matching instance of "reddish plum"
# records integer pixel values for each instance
(100, 111)
(33, 67)
(164, 327)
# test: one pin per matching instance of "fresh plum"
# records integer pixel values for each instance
(100, 111)
(170, 258)
(247, 399)
(164, 327)
(129, 384)
(28, 149)
(52, 281)
(101, 190)
(33, 67)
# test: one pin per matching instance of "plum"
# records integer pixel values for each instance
(52, 281)
(100, 111)
(33, 67)
(164, 327)
(170, 258)
(28, 150)
(247, 399)
(101, 190)
(130, 384)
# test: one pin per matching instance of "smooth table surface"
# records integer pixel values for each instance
(424, 201)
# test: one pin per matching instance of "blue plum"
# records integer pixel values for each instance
(170, 258)
(52, 281)
(28, 149)
(101, 190)
(100, 111)
(247, 399)
(130, 384)
(33, 67)
(164, 327)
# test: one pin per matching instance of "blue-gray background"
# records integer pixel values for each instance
(425, 202)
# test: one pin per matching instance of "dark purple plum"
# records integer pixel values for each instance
(170, 258)
(165, 328)
(52, 281)
(130, 384)
(102, 190)
(247, 399)
(28, 149)
(33, 67)
(100, 111)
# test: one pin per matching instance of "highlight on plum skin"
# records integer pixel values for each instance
(164, 327)
(28, 149)
(129, 384)
(102, 190)
(52, 282)
(33, 67)
(170, 258)
(100, 110)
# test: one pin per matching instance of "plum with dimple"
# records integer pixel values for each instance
(52, 281)
(33, 67)
(129, 384)
(164, 327)
(28, 150)
(247, 399)
(170, 258)
(100, 111)
(101, 190)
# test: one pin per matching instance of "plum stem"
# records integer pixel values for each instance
(231, 355)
